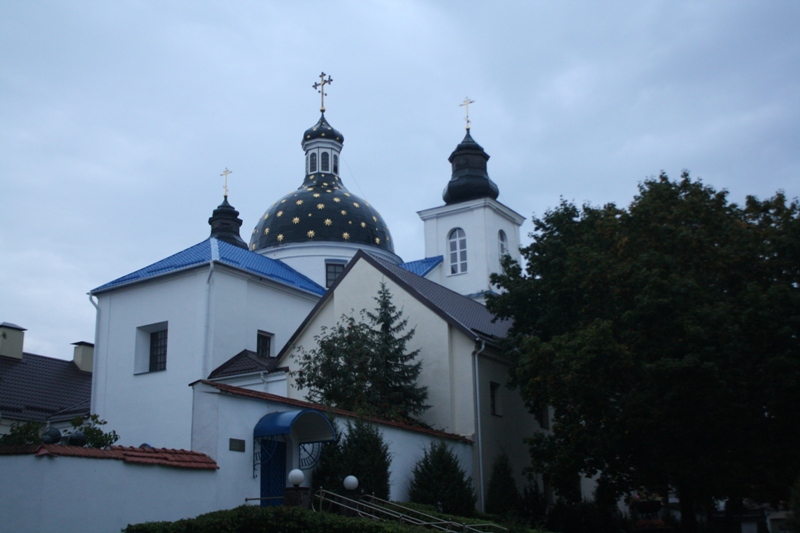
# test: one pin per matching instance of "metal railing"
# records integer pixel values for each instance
(369, 506)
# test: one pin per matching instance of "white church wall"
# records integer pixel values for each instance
(145, 406)
(481, 220)
(445, 357)
(104, 495)
(219, 417)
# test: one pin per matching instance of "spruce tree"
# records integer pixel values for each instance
(364, 366)
(502, 497)
(439, 480)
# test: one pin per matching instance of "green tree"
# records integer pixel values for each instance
(361, 452)
(439, 480)
(22, 433)
(91, 427)
(665, 338)
(502, 496)
(364, 366)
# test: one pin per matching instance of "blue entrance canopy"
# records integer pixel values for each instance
(305, 425)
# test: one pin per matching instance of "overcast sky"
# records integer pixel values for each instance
(117, 117)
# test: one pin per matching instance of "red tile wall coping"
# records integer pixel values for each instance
(238, 391)
(144, 456)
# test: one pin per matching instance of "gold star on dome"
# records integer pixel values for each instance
(363, 224)
(310, 234)
(266, 231)
(320, 206)
(279, 213)
(374, 219)
(328, 190)
(345, 236)
(388, 239)
(280, 237)
(356, 204)
(344, 212)
(316, 195)
(328, 222)
(309, 214)
(377, 240)
(366, 204)
(266, 216)
(283, 201)
(337, 200)
(324, 184)
(299, 202)
(347, 194)
(296, 220)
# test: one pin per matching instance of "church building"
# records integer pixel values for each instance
(196, 351)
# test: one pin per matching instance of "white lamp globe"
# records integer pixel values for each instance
(296, 477)
(351, 482)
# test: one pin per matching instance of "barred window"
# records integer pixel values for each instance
(158, 350)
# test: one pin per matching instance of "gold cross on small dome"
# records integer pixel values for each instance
(225, 175)
(320, 87)
(466, 103)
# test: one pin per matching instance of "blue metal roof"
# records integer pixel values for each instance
(422, 267)
(215, 250)
(312, 425)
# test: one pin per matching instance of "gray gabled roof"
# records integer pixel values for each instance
(40, 388)
(245, 362)
(465, 314)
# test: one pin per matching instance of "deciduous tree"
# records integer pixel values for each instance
(665, 337)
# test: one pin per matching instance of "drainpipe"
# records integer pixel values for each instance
(98, 364)
(476, 353)
(207, 322)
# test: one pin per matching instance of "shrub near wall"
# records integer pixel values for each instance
(253, 519)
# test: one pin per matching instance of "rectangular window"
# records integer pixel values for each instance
(494, 398)
(150, 352)
(264, 345)
(332, 272)
(158, 350)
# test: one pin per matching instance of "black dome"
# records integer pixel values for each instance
(322, 130)
(469, 180)
(321, 210)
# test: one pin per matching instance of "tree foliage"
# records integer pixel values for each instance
(91, 427)
(361, 452)
(364, 366)
(665, 338)
(439, 480)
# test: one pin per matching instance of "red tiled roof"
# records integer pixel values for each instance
(146, 456)
(238, 391)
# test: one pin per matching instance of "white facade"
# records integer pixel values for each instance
(482, 221)
(211, 313)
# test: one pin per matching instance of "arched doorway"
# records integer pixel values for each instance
(277, 441)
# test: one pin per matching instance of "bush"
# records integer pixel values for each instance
(361, 453)
(439, 480)
(502, 497)
(255, 519)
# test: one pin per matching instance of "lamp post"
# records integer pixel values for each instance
(297, 496)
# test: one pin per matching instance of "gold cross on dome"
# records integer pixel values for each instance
(465, 104)
(225, 175)
(320, 87)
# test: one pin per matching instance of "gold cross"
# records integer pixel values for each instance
(225, 174)
(466, 103)
(320, 86)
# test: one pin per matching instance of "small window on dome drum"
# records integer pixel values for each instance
(333, 269)
(335, 164)
(312, 163)
(325, 164)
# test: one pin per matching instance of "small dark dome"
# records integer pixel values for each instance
(322, 210)
(322, 130)
(225, 224)
(469, 180)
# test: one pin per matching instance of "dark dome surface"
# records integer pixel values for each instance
(469, 179)
(322, 210)
(322, 130)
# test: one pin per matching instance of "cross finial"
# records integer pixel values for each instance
(225, 175)
(320, 87)
(466, 103)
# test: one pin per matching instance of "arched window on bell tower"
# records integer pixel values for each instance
(312, 163)
(457, 250)
(336, 164)
(325, 162)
